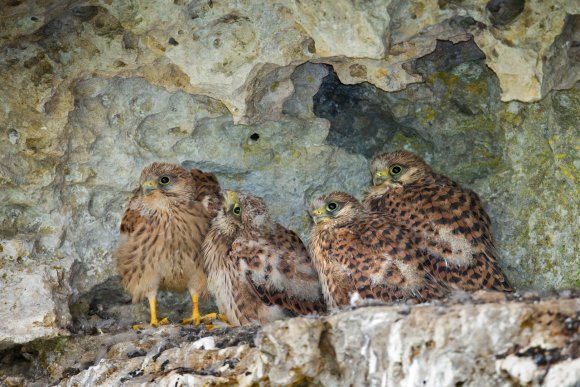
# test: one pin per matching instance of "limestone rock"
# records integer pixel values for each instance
(477, 340)
(92, 91)
(472, 344)
(33, 303)
(503, 151)
(232, 42)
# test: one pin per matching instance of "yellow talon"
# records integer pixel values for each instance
(153, 312)
(196, 318)
(215, 317)
(164, 321)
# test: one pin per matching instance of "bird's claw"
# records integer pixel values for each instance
(207, 319)
(163, 321)
(195, 320)
(153, 323)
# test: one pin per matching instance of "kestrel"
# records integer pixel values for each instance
(359, 254)
(162, 232)
(450, 220)
(258, 271)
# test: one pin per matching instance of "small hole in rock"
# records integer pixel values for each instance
(34, 18)
(255, 137)
(173, 42)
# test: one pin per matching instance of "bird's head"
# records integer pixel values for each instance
(163, 184)
(242, 211)
(334, 209)
(397, 169)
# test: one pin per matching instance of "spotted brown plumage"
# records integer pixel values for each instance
(450, 220)
(359, 254)
(258, 271)
(162, 231)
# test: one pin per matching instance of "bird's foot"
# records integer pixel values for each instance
(207, 320)
(215, 320)
(195, 320)
(216, 316)
(153, 323)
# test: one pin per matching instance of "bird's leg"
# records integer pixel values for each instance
(196, 318)
(153, 311)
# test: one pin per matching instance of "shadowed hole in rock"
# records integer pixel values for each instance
(440, 115)
(360, 121)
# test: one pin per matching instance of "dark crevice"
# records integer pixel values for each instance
(360, 120)
(448, 55)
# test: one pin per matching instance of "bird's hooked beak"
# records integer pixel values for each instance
(149, 186)
(230, 198)
(318, 215)
(381, 176)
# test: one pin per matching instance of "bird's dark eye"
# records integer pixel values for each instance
(237, 209)
(164, 180)
(331, 206)
(396, 169)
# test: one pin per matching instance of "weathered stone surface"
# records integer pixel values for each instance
(564, 53)
(230, 43)
(520, 158)
(480, 340)
(470, 344)
(33, 302)
(91, 91)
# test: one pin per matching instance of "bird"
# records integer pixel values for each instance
(361, 255)
(258, 271)
(162, 231)
(450, 220)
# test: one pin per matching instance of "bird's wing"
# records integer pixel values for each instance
(280, 272)
(132, 217)
(207, 189)
(384, 261)
(464, 230)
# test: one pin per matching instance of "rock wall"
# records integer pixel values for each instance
(480, 340)
(285, 100)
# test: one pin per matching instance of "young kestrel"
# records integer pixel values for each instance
(365, 255)
(162, 231)
(450, 220)
(258, 271)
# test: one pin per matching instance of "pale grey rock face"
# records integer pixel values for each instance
(475, 340)
(90, 92)
(120, 125)
(470, 344)
(33, 303)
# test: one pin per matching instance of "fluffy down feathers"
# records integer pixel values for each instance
(450, 220)
(366, 255)
(258, 271)
(162, 231)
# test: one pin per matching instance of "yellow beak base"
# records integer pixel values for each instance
(150, 185)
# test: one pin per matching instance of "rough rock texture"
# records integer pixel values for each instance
(521, 158)
(450, 345)
(287, 100)
(34, 303)
(481, 340)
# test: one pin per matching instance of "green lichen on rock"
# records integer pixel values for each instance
(540, 191)
(522, 158)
